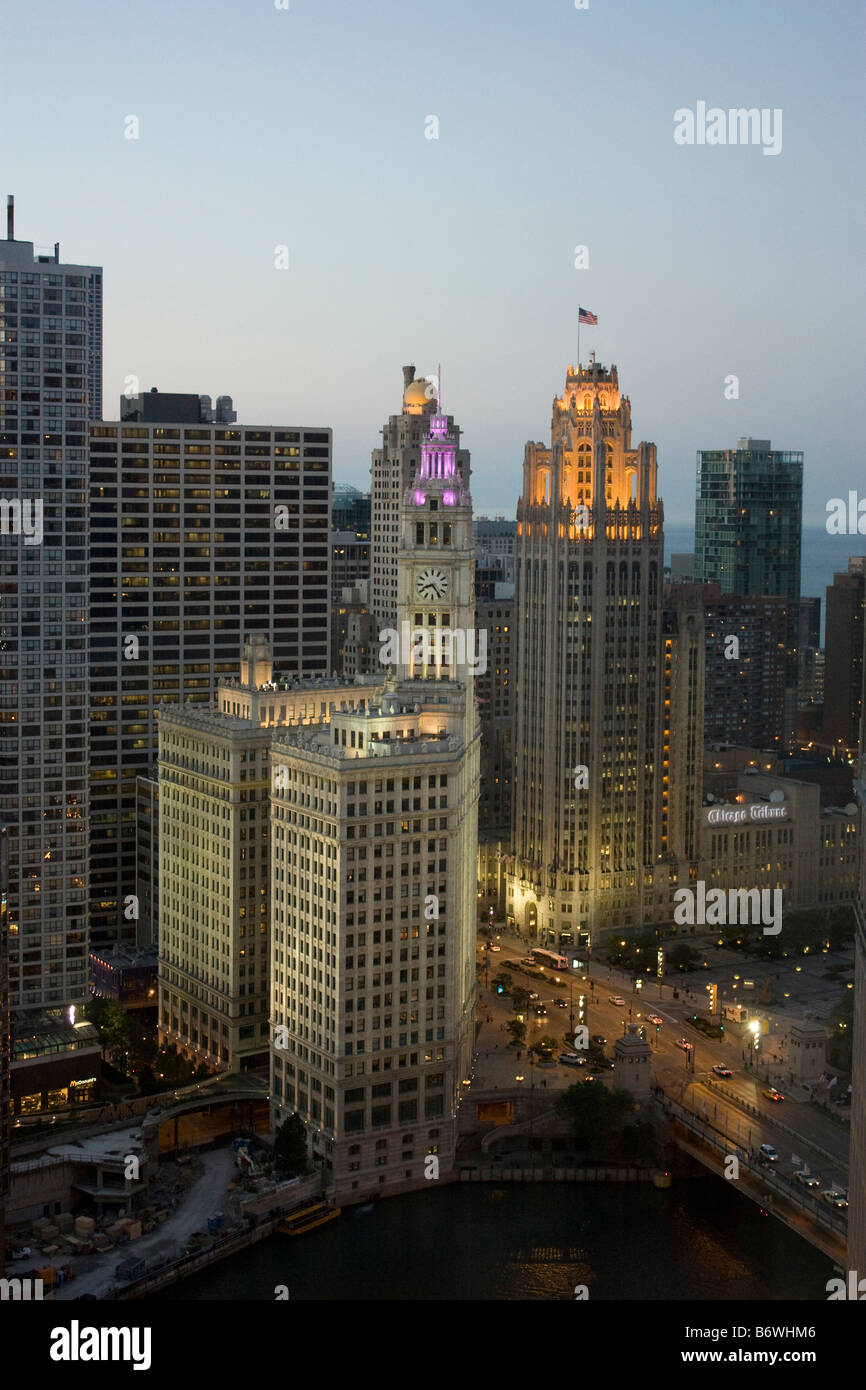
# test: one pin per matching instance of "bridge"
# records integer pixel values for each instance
(823, 1227)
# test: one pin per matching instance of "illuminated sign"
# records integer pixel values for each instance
(742, 815)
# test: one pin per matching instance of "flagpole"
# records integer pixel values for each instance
(578, 337)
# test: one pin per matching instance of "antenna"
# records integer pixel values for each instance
(439, 388)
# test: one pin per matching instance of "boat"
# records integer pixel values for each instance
(297, 1223)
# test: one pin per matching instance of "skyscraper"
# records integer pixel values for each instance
(748, 524)
(201, 537)
(857, 1156)
(373, 852)
(50, 386)
(392, 470)
(591, 825)
(843, 657)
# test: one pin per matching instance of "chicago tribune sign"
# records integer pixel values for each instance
(741, 815)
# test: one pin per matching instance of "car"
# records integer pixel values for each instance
(527, 960)
(560, 1003)
(772, 1094)
(603, 1065)
(519, 1078)
(540, 1011)
(835, 1199)
(654, 1018)
(807, 1179)
(767, 1152)
(571, 1059)
(719, 1070)
(618, 1000)
(597, 1038)
(589, 1077)
(494, 948)
(686, 1045)
(533, 994)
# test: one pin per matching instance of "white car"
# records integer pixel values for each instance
(686, 1045)
(494, 948)
(769, 1153)
(722, 1071)
(618, 1000)
(807, 1179)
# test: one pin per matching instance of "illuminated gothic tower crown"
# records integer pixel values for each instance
(591, 668)
(591, 466)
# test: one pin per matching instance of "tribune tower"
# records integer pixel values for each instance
(592, 787)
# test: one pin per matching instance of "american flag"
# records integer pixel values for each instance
(584, 316)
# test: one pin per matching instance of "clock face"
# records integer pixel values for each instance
(432, 583)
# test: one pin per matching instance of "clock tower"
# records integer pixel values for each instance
(436, 568)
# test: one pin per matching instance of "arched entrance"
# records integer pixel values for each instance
(531, 919)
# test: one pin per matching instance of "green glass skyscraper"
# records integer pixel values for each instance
(748, 524)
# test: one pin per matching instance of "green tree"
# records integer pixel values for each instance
(519, 998)
(682, 956)
(842, 1018)
(597, 1115)
(516, 1029)
(290, 1148)
(113, 1026)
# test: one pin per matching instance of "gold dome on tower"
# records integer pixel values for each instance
(419, 395)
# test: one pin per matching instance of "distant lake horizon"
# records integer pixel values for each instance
(821, 556)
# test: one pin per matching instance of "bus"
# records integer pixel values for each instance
(550, 958)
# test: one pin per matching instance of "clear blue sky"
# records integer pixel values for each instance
(261, 127)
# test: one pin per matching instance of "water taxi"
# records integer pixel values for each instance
(299, 1222)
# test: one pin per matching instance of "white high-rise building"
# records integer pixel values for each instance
(50, 387)
(373, 854)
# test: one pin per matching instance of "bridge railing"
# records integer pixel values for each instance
(777, 1182)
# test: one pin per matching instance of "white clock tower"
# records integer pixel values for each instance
(436, 568)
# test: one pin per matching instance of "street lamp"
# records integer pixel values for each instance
(754, 1035)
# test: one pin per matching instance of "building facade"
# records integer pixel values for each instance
(393, 467)
(495, 690)
(201, 536)
(843, 658)
(50, 387)
(746, 668)
(748, 525)
(374, 824)
(857, 1153)
(592, 793)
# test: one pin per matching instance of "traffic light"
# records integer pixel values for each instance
(500, 989)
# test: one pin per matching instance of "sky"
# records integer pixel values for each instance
(306, 128)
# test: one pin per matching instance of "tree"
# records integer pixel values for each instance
(520, 998)
(682, 956)
(597, 1115)
(290, 1148)
(516, 1029)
